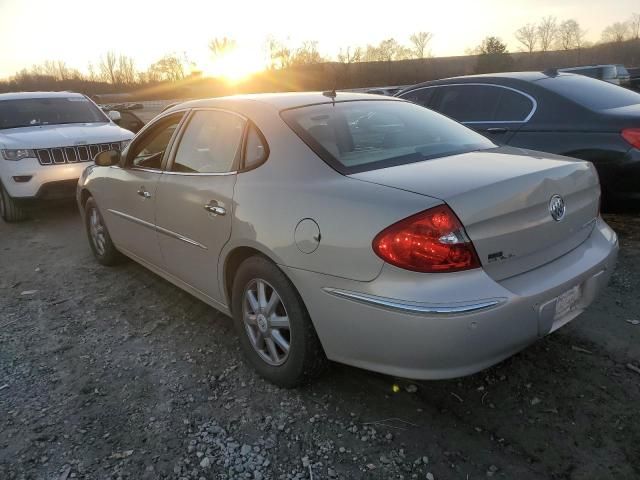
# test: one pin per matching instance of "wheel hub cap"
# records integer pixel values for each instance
(263, 324)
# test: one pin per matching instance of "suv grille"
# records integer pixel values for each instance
(81, 153)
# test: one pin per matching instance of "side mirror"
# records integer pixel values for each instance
(115, 116)
(108, 158)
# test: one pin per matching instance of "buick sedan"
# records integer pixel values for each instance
(354, 228)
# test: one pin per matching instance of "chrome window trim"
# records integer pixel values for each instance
(141, 169)
(526, 119)
(199, 174)
(169, 233)
(414, 308)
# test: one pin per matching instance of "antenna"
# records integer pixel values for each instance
(331, 94)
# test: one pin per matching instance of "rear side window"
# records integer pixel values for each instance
(421, 96)
(513, 106)
(469, 103)
(255, 150)
(210, 143)
(364, 135)
(484, 103)
(590, 93)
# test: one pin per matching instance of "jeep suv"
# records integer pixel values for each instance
(46, 141)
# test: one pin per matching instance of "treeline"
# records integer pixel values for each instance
(546, 44)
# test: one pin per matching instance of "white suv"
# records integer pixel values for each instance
(46, 140)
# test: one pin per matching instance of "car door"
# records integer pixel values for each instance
(495, 111)
(195, 198)
(132, 188)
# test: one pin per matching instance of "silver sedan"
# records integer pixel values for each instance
(355, 228)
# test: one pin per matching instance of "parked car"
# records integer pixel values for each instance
(634, 78)
(390, 91)
(616, 74)
(128, 120)
(358, 228)
(46, 140)
(560, 113)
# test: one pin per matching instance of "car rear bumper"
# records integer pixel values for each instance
(44, 182)
(431, 326)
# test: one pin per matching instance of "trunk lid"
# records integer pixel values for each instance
(502, 196)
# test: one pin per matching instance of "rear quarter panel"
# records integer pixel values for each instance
(294, 184)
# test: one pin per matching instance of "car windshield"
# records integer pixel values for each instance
(48, 111)
(590, 93)
(358, 136)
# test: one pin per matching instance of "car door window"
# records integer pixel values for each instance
(210, 143)
(421, 96)
(149, 150)
(512, 107)
(469, 103)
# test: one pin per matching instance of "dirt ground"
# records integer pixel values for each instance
(114, 373)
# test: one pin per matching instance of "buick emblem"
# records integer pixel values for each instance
(557, 208)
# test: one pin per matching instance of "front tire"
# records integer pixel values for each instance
(9, 210)
(99, 239)
(273, 325)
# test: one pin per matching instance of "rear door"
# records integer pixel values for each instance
(195, 198)
(495, 111)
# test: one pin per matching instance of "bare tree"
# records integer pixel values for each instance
(527, 35)
(420, 43)
(349, 55)
(221, 46)
(547, 32)
(126, 70)
(307, 54)
(616, 32)
(170, 67)
(386, 51)
(634, 26)
(108, 68)
(570, 35)
(280, 55)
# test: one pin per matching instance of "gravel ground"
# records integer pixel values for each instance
(109, 373)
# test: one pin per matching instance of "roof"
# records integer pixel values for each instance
(282, 101)
(21, 95)
(491, 77)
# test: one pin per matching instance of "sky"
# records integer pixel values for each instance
(80, 31)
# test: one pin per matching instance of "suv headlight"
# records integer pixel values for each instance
(18, 154)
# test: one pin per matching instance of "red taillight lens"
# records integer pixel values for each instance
(632, 136)
(430, 241)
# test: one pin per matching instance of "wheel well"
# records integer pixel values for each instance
(233, 261)
(84, 196)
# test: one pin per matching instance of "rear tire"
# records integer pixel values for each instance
(98, 235)
(9, 210)
(265, 323)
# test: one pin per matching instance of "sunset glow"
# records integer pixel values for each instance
(235, 65)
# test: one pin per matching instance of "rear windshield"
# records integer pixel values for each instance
(48, 111)
(590, 93)
(364, 135)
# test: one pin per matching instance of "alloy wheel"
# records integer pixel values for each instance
(97, 231)
(266, 322)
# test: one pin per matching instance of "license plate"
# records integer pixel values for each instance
(568, 301)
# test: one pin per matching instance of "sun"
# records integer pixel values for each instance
(236, 65)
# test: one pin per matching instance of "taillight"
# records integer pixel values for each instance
(632, 136)
(430, 241)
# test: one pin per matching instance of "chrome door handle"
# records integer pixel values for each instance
(215, 209)
(143, 193)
